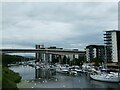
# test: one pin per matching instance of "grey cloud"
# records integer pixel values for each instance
(76, 11)
(66, 25)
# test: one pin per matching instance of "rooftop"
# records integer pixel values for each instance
(95, 46)
(113, 31)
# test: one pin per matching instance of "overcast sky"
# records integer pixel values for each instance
(60, 24)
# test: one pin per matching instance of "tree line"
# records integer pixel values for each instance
(11, 59)
(67, 60)
(9, 77)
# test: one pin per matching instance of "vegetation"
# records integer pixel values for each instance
(9, 79)
(66, 60)
(55, 59)
(10, 59)
(97, 61)
(78, 61)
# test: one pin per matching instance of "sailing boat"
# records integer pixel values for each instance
(106, 77)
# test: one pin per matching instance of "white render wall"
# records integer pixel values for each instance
(77, 56)
(87, 55)
(94, 52)
(50, 57)
(70, 56)
(114, 47)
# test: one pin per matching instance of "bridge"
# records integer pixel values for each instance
(46, 54)
(50, 51)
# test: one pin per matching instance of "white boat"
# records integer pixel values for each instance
(75, 68)
(87, 66)
(73, 72)
(105, 77)
(62, 69)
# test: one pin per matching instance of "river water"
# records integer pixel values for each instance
(58, 80)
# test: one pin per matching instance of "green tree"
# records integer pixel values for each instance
(97, 61)
(55, 59)
(9, 59)
(68, 60)
(64, 60)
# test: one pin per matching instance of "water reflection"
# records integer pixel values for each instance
(58, 80)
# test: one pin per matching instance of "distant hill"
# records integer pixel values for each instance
(8, 59)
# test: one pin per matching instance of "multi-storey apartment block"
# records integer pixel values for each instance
(95, 51)
(112, 43)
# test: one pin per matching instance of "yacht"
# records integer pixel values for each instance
(75, 68)
(106, 77)
(61, 69)
(73, 72)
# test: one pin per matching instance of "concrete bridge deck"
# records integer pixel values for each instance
(51, 51)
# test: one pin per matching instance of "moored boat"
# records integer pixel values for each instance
(105, 77)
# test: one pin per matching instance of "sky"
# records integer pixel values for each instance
(62, 24)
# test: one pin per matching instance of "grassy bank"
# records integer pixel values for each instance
(9, 79)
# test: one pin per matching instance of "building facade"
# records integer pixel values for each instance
(112, 43)
(95, 51)
(39, 56)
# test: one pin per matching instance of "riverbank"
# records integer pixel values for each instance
(10, 78)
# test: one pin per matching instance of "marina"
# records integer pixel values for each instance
(58, 80)
(60, 45)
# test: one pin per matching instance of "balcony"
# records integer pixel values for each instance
(107, 37)
(107, 43)
(107, 34)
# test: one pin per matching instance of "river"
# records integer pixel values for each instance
(58, 80)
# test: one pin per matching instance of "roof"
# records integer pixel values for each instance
(113, 31)
(95, 46)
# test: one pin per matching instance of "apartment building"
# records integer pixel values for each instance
(112, 44)
(95, 51)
